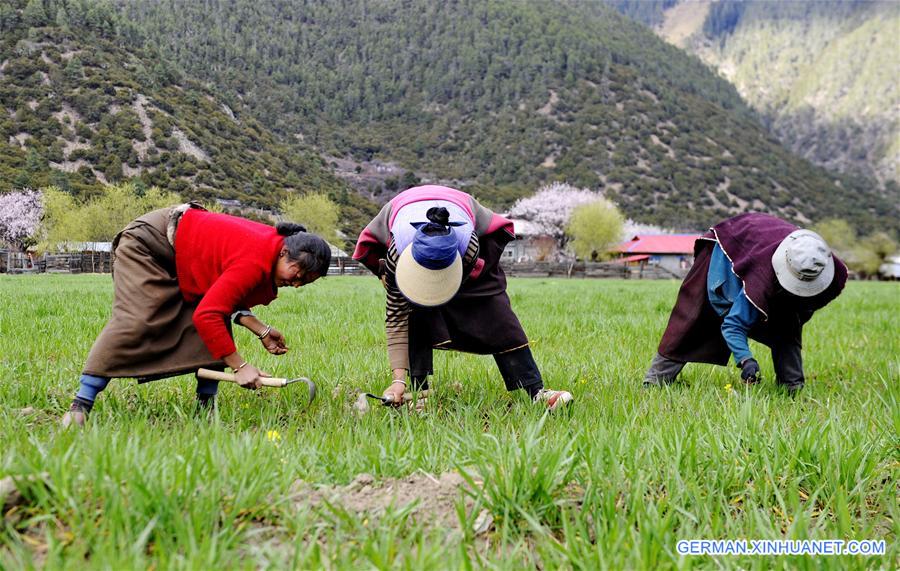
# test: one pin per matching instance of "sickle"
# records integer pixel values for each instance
(266, 381)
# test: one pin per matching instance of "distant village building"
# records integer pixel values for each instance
(530, 245)
(890, 269)
(672, 252)
(84, 247)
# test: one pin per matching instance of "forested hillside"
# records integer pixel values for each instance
(81, 111)
(823, 75)
(499, 96)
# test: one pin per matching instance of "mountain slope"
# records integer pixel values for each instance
(81, 111)
(501, 95)
(822, 74)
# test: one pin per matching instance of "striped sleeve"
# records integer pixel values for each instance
(396, 321)
(471, 256)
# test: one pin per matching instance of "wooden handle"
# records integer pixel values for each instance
(409, 397)
(229, 378)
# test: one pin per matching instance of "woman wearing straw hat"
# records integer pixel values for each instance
(437, 251)
(754, 276)
(181, 274)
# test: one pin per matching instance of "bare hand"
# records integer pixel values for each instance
(274, 342)
(395, 393)
(249, 377)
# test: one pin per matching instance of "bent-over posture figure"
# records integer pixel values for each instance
(437, 252)
(181, 275)
(755, 276)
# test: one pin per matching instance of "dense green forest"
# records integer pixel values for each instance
(495, 96)
(81, 111)
(648, 12)
(499, 96)
(822, 75)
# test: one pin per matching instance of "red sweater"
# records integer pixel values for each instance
(228, 264)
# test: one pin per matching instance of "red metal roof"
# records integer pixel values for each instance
(638, 258)
(659, 244)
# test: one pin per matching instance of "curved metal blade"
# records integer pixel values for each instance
(309, 385)
(312, 389)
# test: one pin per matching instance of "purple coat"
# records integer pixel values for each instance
(749, 240)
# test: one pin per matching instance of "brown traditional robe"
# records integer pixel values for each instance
(749, 240)
(151, 334)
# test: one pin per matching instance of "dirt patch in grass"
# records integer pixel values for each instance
(432, 499)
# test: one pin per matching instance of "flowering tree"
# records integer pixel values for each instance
(551, 207)
(20, 217)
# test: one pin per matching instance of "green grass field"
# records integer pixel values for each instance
(614, 482)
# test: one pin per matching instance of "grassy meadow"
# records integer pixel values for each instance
(614, 482)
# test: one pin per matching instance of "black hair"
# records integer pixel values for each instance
(438, 215)
(309, 250)
(438, 221)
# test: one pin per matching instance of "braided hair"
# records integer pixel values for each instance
(309, 250)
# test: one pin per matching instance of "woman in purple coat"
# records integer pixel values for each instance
(754, 276)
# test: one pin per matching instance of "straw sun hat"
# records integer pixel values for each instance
(429, 270)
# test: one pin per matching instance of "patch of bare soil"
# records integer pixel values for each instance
(432, 499)
(684, 20)
(188, 147)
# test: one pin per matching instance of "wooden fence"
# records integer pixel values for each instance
(100, 262)
(66, 262)
(346, 267)
(589, 270)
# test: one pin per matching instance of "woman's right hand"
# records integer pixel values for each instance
(249, 377)
(395, 393)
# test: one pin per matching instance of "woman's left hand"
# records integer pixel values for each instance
(274, 342)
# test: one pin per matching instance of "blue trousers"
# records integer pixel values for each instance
(92, 386)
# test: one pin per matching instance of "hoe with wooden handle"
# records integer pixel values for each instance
(266, 381)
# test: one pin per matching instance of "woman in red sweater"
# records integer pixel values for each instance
(181, 276)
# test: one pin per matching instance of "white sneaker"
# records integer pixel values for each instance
(553, 399)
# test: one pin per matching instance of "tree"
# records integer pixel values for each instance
(104, 216)
(881, 243)
(409, 180)
(61, 223)
(594, 228)
(839, 235)
(872, 251)
(863, 256)
(8, 18)
(34, 15)
(100, 218)
(550, 208)
(20, 217)
(315, 211)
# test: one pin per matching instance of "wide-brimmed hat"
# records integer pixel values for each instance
(803, 263)
(429, 271)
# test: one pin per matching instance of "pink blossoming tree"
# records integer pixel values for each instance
(20, 217)
(551, 207)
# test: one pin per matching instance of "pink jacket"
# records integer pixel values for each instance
(376, 236)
